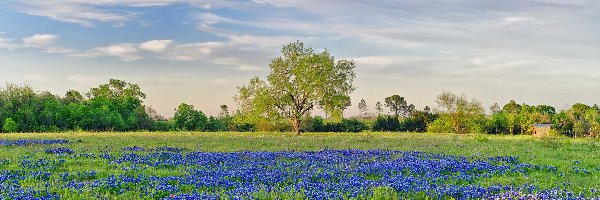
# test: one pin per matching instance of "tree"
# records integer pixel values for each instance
(187, 118)
(398, 106)
(495, 109)
(10, 125)
(115, 89)
(153, 114)
(224, 111)
(362, 107)
(378, 108)
(461, 113)
(301, 79)
(255, 103)
(73, 96)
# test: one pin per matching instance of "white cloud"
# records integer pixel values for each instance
(40, 40)
(191, 51)
(88, 13)
(156, 45)
(124, 51)
(7, 44)
(241, 66)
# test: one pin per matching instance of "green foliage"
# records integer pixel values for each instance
(461, 113)
(398, 106)
(441, 125)
(187, 118)
(418, 121)
(299, 80)
(116, 106)
(317, 124)
(10, 125)
(313, 124)
(387, 124)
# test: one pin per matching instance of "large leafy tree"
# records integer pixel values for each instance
(301, 79)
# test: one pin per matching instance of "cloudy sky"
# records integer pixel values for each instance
(198, 51)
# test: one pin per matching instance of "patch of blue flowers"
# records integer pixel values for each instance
(134, 148)
(28, 142)
(60, 150)
(326, 174)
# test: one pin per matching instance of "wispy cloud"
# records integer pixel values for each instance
(40, 40)
(156, 45)
(123, 51)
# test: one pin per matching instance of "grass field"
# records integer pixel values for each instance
(44, 170)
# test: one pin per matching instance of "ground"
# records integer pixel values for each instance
(573, 164)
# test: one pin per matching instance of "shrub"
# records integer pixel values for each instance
(353, 125)
(313, 124)
(440, 126)
(386, 123)
(10, 125)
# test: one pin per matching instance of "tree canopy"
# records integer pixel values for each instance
(299, 80)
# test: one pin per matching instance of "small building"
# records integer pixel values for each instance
(541, 130)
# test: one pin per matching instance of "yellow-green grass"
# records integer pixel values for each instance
(569, 155)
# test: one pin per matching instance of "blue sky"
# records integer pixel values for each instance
(532, 51)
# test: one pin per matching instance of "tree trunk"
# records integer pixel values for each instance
(296, 126)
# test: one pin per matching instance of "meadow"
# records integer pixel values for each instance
(230, 165)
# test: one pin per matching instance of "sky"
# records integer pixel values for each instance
(199, 51)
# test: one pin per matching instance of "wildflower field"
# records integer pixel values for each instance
(190, 165)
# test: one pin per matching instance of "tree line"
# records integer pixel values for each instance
(118, 106)
(301, 80)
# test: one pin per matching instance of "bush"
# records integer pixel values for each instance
(418, 121)
(10, 125)
(163, 126)
(387, 123)
(313, 124)
(242, 127)
(353, 125)
(217, 124)
(274, 126)
(440, 126)
(317, 124)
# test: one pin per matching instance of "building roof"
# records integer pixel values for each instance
(542, 125)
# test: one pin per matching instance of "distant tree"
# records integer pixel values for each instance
(301, 79)
(512, 107)
(378, 108)
(117, 88)
(362, 107)
(427, 109)
(495, 109)
(10, 125)
(398, 106)
(187, 118)
(154, 115)
(461, 113)
(224, 111)
(73, 96)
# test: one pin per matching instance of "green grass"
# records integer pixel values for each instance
(569, 155)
